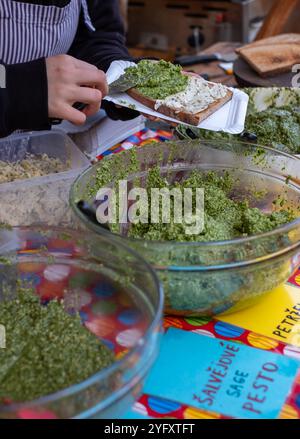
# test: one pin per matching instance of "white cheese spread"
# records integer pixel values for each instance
(197, 96)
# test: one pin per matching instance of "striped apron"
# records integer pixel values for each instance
(29, 31)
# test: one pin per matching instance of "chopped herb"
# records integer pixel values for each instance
(47, 349)
(278, 128)
(5, 261)
(224, 217)
(157, 80)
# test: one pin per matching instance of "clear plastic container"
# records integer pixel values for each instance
(40, 199)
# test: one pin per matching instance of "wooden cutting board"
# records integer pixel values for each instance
(247, 77)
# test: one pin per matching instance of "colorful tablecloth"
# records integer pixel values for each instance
(157, 407)
(265, 336)
(273, 325)
(141, 138)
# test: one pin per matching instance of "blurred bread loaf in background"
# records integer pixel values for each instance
(273, 55)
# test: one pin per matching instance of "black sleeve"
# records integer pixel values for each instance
(23, 97)
(107, 42)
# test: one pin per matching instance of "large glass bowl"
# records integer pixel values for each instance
(118, 297)
(209, 278)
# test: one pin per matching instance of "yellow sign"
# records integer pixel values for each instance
(276, 315)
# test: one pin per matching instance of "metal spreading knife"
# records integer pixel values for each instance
(122, 84)
(126, 82)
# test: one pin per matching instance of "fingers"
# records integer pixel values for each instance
(90, 96)
(91, 109)
(88, 74)
(87, 95)
(95, 78)
(82, 73)
(78, 63)
(71, 80)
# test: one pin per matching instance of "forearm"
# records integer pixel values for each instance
(24, 98)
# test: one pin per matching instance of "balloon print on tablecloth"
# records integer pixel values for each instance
(140, 409)
(129, 317)
(261, 342)
(192, 413)
(104, 308)
(104, 290)
(28, 413)
(172, 322)
(197, 321)
(76, 299)
(297, 279)
(32, 279)
(128, 338)
(84, 316)
(30, 267)
(101, 326)
(292, 351)
(125, 300)
(203, 332)
(288, 412)
(229, 331)
(162, 406)
(121, 354)
(80, 280)
(56, 272)
(108, 343)
(51, 290)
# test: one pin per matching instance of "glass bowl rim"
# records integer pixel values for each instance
(212, 244)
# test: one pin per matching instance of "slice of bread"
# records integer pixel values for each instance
(272, 56)
(272, 60)
(182, 116)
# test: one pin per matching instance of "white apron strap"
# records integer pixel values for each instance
(87, 18)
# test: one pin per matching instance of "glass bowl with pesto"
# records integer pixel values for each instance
(251, 237)
(79, 324)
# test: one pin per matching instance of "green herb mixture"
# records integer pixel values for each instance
(157, 80)
(46, 350)
(277, 127)
(224, 218)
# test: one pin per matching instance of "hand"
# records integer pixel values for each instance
(71, 80)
